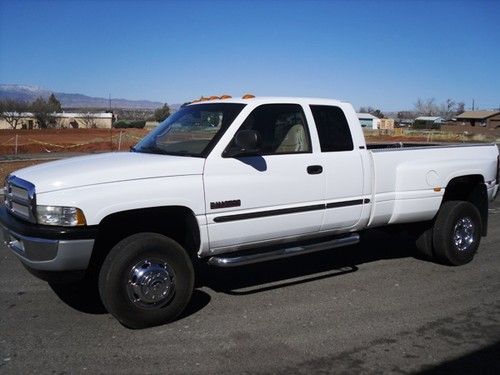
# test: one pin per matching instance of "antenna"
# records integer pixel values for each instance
(109, 102)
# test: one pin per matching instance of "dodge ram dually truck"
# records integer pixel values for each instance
(231, 182)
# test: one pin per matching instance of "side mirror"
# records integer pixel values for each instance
(245, 143)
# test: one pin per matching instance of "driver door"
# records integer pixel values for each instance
(273, 194)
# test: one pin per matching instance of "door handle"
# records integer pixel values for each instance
(314, 169)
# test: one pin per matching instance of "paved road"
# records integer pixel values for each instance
(363, 309)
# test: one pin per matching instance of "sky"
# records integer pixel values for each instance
(383, 54)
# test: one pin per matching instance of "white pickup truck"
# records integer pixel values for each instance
(230, 182)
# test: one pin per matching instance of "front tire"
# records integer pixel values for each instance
(146, 280)
(457, 232)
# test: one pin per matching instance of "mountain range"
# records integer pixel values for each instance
(29, 93)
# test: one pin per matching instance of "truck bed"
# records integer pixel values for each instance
(408, 186)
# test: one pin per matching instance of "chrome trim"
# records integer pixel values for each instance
(151, 284)
(464, 234)
(234, 261)
(12, 196)
(280, 241)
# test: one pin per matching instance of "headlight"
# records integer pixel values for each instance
(61, 216)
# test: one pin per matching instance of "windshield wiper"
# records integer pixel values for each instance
(156, 150)
(149, 150)
(179, 153)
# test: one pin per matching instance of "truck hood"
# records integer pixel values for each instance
(105, 168)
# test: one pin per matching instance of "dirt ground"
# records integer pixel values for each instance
(68, 140)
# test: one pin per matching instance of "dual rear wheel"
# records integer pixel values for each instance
(454, 236)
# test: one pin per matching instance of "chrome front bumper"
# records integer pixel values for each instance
(49, 254)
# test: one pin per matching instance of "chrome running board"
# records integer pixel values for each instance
(240, 260)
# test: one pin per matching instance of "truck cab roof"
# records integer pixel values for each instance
(273, 100)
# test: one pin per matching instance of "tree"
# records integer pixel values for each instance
(426, 107)
(162, 113)
(54, 104)
(42, 112)
(406, 115)
(446, 110)
(375, 112)
(11, 111)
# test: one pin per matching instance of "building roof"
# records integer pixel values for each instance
(366, 116)
(429, 118)
(82, 114)
(477, 115)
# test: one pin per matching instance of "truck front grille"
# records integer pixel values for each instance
(20, 198)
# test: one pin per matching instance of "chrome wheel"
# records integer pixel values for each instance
(151, 284)
(463, 234)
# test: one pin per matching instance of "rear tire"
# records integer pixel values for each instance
(423, 233)
(457, 232)
(146, 280)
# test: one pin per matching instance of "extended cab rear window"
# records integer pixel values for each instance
(333, 130)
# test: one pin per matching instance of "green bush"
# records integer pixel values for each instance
(127, 124)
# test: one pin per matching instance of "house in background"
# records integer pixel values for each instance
(368, 121)
(65, 120)
(386, 123)
(489, 119)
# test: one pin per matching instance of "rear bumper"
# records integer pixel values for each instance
(45, 248)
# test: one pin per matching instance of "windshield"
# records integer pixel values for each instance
(192, 130)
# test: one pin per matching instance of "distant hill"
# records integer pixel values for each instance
(30, 93)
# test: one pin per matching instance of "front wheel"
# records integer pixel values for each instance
(456, 232)
(146, 280)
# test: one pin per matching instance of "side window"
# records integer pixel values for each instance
(333, 129)
(282, 129)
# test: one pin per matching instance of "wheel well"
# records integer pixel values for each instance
(178, 223)
(470, 188)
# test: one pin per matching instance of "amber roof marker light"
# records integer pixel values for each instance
(208, 98)
(222, 97)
